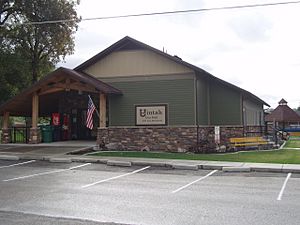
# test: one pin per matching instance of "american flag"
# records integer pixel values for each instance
(89, 114)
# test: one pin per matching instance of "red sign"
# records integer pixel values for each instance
(55, 119)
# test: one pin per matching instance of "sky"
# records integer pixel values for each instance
(257, 49)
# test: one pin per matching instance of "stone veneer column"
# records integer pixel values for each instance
(35, 136)
(102, 136)
(5, 136)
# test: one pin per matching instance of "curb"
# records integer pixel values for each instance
(211, 167)
(9, 157)
(262, 169)
(285, 168)
(60, 160)
(32, 157)
(185, 167)
(119, 163)
(236, 169)
(153, 164)
(47, 158)
(289, 169)
(88, 160)
(80, 149)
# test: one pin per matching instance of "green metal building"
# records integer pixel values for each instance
(146, 98)
(146, 75)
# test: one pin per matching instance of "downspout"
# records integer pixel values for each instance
(208, 103)
(197, 119)
(242, 114)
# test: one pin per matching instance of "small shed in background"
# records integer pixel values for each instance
(284, 118)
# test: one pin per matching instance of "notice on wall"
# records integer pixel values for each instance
(149, 115)
(217, 134)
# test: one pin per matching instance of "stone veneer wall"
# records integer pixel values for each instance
(35, 136)
(173, 139)
(5, 136)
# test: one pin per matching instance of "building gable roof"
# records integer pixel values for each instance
(128, 43)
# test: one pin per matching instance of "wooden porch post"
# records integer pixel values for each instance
(102, 110)
(102, 133)
(35, 134)
(35, 110)
(5, 120)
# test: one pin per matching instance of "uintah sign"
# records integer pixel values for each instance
(151, 115)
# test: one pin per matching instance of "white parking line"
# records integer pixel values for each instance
(46, 173)
(283, 186)
(116, 177)
(76, 167)
(17, 164)
(187, 185)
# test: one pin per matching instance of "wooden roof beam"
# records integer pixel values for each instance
(44, 91)
(78, 87)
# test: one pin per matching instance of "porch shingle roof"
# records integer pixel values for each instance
(283, 113)
(21, 103)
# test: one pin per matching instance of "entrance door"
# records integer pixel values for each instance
(79, 131)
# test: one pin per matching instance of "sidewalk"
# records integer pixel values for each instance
(62, 157)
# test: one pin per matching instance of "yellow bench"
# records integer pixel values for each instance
(248, 142)
(296, 134)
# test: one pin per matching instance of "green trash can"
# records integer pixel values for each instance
(47, 133)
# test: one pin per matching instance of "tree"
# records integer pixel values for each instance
(7, 8)
(42, 43)
(14, 73)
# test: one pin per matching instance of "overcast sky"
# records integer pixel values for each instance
(257, 49)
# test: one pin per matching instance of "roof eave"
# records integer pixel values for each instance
(116, 45)
(99, 85)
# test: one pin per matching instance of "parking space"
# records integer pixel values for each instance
(8, 165)
(139, 195)
(90, 175)
(23, 168)
(291, 193)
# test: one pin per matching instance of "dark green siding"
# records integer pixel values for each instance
(202, 98)
(178, 94)
(225, 106)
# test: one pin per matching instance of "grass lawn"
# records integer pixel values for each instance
(285, 155)
(292, 143)
(278, 156)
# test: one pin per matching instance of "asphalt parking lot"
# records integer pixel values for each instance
(43, 150)
(85, 193)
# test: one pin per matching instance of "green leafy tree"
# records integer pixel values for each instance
(14, 74)
(29, 50)
(7, 8)
(42, 43)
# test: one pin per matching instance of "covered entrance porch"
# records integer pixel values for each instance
(61, 96)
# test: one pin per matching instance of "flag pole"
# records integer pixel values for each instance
(95, 107)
